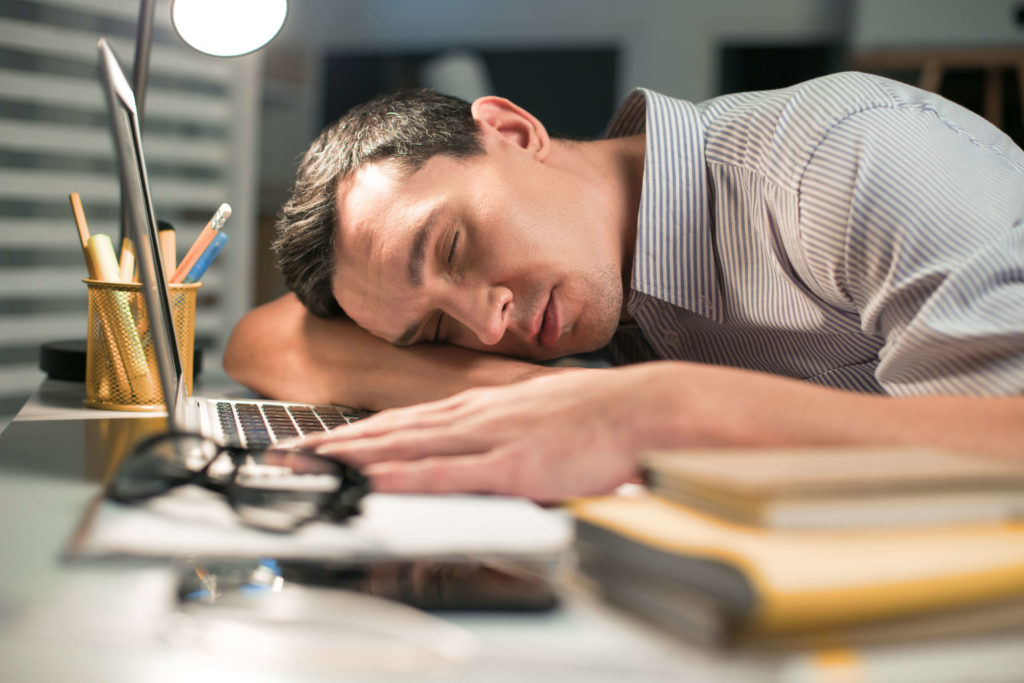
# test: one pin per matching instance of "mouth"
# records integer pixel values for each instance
(550, 324)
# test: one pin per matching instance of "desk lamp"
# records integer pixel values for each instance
(221, 28)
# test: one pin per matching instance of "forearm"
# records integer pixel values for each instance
(585, 433)
(728, 407)
(283, 352)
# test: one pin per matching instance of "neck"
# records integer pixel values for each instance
(610, 176)
(631, 181)
(620, 165)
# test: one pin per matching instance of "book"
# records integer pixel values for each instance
(726, 582)
(843, 487)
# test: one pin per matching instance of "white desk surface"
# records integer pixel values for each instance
(114, 620)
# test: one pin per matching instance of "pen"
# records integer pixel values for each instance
(202, 242)
(206, 259)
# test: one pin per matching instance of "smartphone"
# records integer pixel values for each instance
(426, 584)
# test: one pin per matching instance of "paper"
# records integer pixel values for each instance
(193, 521)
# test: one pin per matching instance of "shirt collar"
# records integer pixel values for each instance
(674, 256)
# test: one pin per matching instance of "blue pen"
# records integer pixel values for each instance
(204, 261)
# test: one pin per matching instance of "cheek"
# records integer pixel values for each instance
(507, 219)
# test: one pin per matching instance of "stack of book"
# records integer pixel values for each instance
(813, 547)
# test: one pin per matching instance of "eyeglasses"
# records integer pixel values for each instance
(277, 489)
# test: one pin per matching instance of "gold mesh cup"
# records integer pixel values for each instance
(121, 371)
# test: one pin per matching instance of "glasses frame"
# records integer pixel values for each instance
(338, 505)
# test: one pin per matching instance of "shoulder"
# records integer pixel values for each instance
(814, 103)
(776, 132)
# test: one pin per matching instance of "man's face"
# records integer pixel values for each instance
(501, 252)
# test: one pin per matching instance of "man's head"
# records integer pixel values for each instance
(408, 128)
(509, 242)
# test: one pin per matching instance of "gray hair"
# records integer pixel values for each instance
(409, 128)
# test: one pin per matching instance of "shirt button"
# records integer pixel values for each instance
(672, 339)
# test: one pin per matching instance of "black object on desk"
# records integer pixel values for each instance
(65, 359)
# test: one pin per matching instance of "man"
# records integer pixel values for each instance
(841, 262)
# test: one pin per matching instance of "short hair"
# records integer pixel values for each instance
(408, 127)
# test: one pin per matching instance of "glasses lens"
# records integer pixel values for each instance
(282, 489)
(161, 463)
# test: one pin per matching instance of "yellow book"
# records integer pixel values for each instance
(840, 487)
(766, 582)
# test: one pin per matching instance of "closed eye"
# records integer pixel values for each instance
(437, 329)
(451, 252)
(440, 316)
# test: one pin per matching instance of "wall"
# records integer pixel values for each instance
(668, 45)
(909, 23)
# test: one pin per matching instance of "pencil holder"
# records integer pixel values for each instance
(121, 371)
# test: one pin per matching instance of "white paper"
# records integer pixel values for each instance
(193, 521)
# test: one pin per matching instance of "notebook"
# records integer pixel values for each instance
(721, 581)
(840, 487)
(248, 423)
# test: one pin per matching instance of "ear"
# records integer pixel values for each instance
(496, 115)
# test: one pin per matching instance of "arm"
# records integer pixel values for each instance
(282, 351)
(584, 433)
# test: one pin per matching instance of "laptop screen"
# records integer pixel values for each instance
(142, 229)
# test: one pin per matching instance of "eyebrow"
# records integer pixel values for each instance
(417, 257)
(418, 250)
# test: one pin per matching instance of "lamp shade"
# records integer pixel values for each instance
(228, 28)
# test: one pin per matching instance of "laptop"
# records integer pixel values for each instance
(249, 423)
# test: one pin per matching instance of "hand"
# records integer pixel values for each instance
(570, 433)
(582, 432)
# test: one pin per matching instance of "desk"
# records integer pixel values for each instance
(107, 620)
(112, 620)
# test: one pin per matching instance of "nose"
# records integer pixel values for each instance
(487, 314)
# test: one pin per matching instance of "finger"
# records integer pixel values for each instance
(480, 473)
(419, 416)
(408, 444)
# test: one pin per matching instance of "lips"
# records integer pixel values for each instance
(550, 327)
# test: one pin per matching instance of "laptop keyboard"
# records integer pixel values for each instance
(258, 425)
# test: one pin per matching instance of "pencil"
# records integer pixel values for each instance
(168, 247)
(127, 262)
(202, 242)
(83, 233)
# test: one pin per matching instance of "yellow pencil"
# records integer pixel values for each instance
(127, 269)
(168, 248)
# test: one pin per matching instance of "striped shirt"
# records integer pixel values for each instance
(850, 231)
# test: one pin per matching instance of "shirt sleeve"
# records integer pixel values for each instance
(912, 217)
